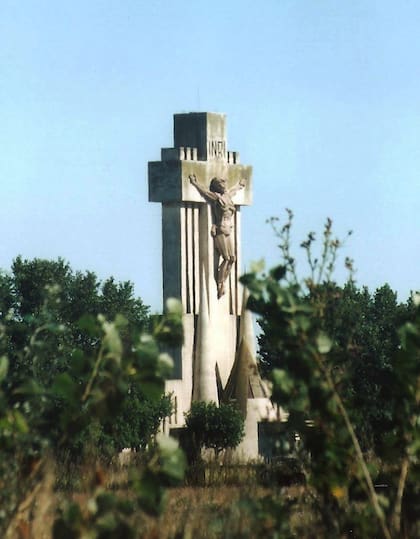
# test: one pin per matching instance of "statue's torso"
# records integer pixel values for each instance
(224, 209)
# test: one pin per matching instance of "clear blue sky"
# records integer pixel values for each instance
(321, 97)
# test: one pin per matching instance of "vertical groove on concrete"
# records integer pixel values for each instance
(183, 255)
(196, 259)
(189, 257)
(235, 265)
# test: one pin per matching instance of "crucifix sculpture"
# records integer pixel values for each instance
(201, 248)
(222, 229)
(201, 186)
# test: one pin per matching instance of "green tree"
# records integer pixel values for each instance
(51, 293)
(48, 318)
(138, 421)
(214, 427)
(363, 327)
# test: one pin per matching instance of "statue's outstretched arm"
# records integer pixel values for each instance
(202, 190)
(240, 185)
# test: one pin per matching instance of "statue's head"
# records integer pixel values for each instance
(218, 185)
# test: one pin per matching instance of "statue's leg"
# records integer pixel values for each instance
(218, 248)
(222, 275)
(224, 247)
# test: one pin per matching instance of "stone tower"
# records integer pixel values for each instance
(202, 186)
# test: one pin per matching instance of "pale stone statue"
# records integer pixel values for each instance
(223, 211)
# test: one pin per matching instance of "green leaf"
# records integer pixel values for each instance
(20, 422)
(120, 321)
(165, 365)
(174, 306)
(64, 386)
(278, 272)
(323, 343)
(107, 523)
(89, 324)
(30, 387)
(173, 465)
(4, 367)
(112, 340)
(150, 493)
(282, 380)
(173, 461)
(73, 514)
(166, 444)
(257, 266)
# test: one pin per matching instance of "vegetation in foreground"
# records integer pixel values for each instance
(343, 363)
(231, 505)
(70, 386)
(320, 374)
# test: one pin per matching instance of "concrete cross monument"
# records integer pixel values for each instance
(202, 186)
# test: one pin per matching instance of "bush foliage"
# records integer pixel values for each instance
(214, 427)
(68, 383)
(340, 376)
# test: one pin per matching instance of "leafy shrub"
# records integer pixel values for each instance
(214, 427)
(311, 373)
(55, 395)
